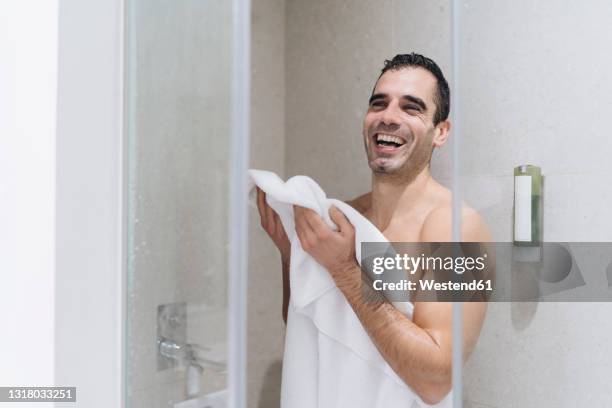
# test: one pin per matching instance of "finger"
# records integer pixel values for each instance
(261, 204)
(340, 219)
(302, 227)
(270, 217)
(316, 223)
(299, 229)
(279, 225)
(298, 219)
(302, 218)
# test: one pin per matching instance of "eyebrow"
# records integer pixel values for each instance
(411, 98)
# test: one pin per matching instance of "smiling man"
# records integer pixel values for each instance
(407, 119)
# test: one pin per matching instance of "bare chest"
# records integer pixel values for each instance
(403, 233)
(404, 229)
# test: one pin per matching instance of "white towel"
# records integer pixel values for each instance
(329, 359)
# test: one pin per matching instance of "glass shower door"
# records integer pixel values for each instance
(533, 94)
(179, 164)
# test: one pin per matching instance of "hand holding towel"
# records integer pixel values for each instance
(329, 359)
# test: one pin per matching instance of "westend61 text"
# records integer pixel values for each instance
(432, 285)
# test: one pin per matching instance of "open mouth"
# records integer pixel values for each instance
(384, 140)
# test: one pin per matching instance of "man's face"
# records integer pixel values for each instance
(398, 128)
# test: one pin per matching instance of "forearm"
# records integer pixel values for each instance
(286, 286)
(410, 350)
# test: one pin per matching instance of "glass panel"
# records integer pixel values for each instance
(534, 93)
(178, 109)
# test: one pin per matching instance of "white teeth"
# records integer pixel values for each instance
(389, 138)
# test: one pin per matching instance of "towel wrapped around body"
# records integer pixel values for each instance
(329, 359)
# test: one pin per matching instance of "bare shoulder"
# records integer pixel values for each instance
(437, 226)
(361, 203)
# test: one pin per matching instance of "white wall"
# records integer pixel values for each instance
(89, 263)
(28, 67)
(60, 167)
(536, 90)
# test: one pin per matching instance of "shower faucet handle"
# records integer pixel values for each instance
(188, 354)
(179, 353)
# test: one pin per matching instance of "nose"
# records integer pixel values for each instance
(390, 115)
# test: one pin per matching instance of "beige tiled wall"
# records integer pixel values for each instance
(265, 324)
(334, 53)
(534, 91)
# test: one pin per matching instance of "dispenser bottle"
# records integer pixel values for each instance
(527, 229)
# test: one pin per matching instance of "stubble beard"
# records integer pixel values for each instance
(407, 171)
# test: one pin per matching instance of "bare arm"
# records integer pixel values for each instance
(418, 350)
(286, 287)
(421, 357)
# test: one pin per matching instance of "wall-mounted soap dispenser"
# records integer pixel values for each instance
(527, 253)
(528, 224)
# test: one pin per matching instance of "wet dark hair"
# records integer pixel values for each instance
(442, 97)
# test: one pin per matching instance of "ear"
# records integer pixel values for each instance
(442, 132)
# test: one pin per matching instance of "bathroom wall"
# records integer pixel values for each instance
(178, 132)
(89, 255)
(28, 187)
(534, 91)
(265, 339)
